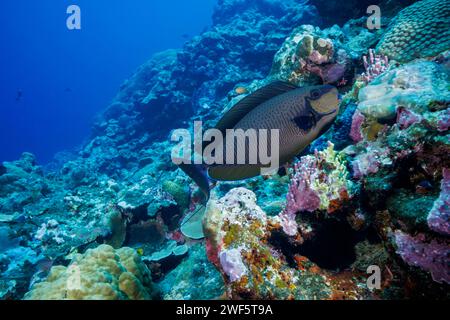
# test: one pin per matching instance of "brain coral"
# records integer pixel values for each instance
(100, 274)
(419, 31)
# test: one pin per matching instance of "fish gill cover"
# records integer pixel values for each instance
(361, 213)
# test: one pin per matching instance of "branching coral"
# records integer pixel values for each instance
(375, 64)
(319, 182)
(99, 274)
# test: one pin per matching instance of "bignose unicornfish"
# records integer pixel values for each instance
(300, 114)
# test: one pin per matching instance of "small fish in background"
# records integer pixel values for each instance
(241, 90)
(19, 95)
(185, 36)
(237, 92)
(42, 269)
(424, 187)
(300, 114)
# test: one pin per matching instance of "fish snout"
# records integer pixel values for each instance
(328, 102)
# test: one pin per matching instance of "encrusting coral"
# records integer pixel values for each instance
(242, 243)
(415, 86)
(237, 233)
(439, 216)
(100, 274)
(432, 256)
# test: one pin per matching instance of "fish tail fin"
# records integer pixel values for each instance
(187, 219)
(198, 174)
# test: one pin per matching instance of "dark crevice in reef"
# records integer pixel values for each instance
(411, 173)
(331, 248)
(171, 216)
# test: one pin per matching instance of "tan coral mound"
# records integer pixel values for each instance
(100, 274)
(419, 31)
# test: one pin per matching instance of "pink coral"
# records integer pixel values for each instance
(355, 131)
(439, 216)
(288, 223)
(370, 162)
(444, 122)
(300, 196)
(432, 257)
(406, 118)
(232, 264)
(318, 182)
(329, 73)
(365, 164)
(375, 65)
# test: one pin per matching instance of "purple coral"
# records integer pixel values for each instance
(406, 118)
(444, 121)
(357, 122)
(231, 261)
(288, 223)
(439, 216)
(300, 196)
(330, 73)
(375, 64)
(365, 164)
(432, 257)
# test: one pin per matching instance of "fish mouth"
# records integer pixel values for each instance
(327, 113)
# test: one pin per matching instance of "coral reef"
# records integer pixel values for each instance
(413, 34)
(431, 257)
(99, 274)
(439, 217)
(415, 86)
(195, 278)
(237, 232)
(311, 55)
(372, 190)
(375, 65)
(319, 182)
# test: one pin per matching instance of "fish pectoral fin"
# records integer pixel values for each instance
(252, 101)
(304, 123)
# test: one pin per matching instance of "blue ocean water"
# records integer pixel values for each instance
(54, 81)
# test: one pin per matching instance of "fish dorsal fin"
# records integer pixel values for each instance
(250, 102)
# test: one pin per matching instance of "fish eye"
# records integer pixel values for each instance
(315, 94)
